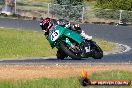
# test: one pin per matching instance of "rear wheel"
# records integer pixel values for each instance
(97, 52)
(69, 52)
(60, 54)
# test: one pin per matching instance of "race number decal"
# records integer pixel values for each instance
(54, 35)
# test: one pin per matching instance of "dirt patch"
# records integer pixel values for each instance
(16, 72)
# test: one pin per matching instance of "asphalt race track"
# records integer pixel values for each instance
(118, 34)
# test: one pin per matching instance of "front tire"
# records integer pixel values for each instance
(68, 52)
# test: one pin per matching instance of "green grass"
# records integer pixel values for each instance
(26, 43)
(23, 43)
(105, 45)
(71, 82)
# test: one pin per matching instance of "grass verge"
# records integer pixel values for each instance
(105, 45)
(71, 82)
(25, 43)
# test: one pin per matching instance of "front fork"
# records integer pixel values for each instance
(86, 48)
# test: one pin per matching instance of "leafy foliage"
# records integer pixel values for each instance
(68, 9)
(68, 2)
(110, 14)
(114, 14)
(115, 4)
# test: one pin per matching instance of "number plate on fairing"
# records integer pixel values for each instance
(54, 35)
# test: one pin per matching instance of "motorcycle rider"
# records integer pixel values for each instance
(48, 26)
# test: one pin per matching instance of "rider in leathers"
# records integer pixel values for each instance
(48, 26)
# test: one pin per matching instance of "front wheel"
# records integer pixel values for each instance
(70, 53)
(97, 52)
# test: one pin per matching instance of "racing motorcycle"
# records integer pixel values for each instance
(71, 44)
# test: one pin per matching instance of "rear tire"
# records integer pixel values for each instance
(60, 54)
(97, 52)
(69, 53)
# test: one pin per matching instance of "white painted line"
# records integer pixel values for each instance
(2, 27)
(128, 48)
(121, 48)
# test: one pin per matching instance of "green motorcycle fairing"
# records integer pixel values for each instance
(59, 31)
(73, 35)
(55, 35)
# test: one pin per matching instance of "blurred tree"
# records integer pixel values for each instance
(115, 4)
(68, 2)
(67, 9)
